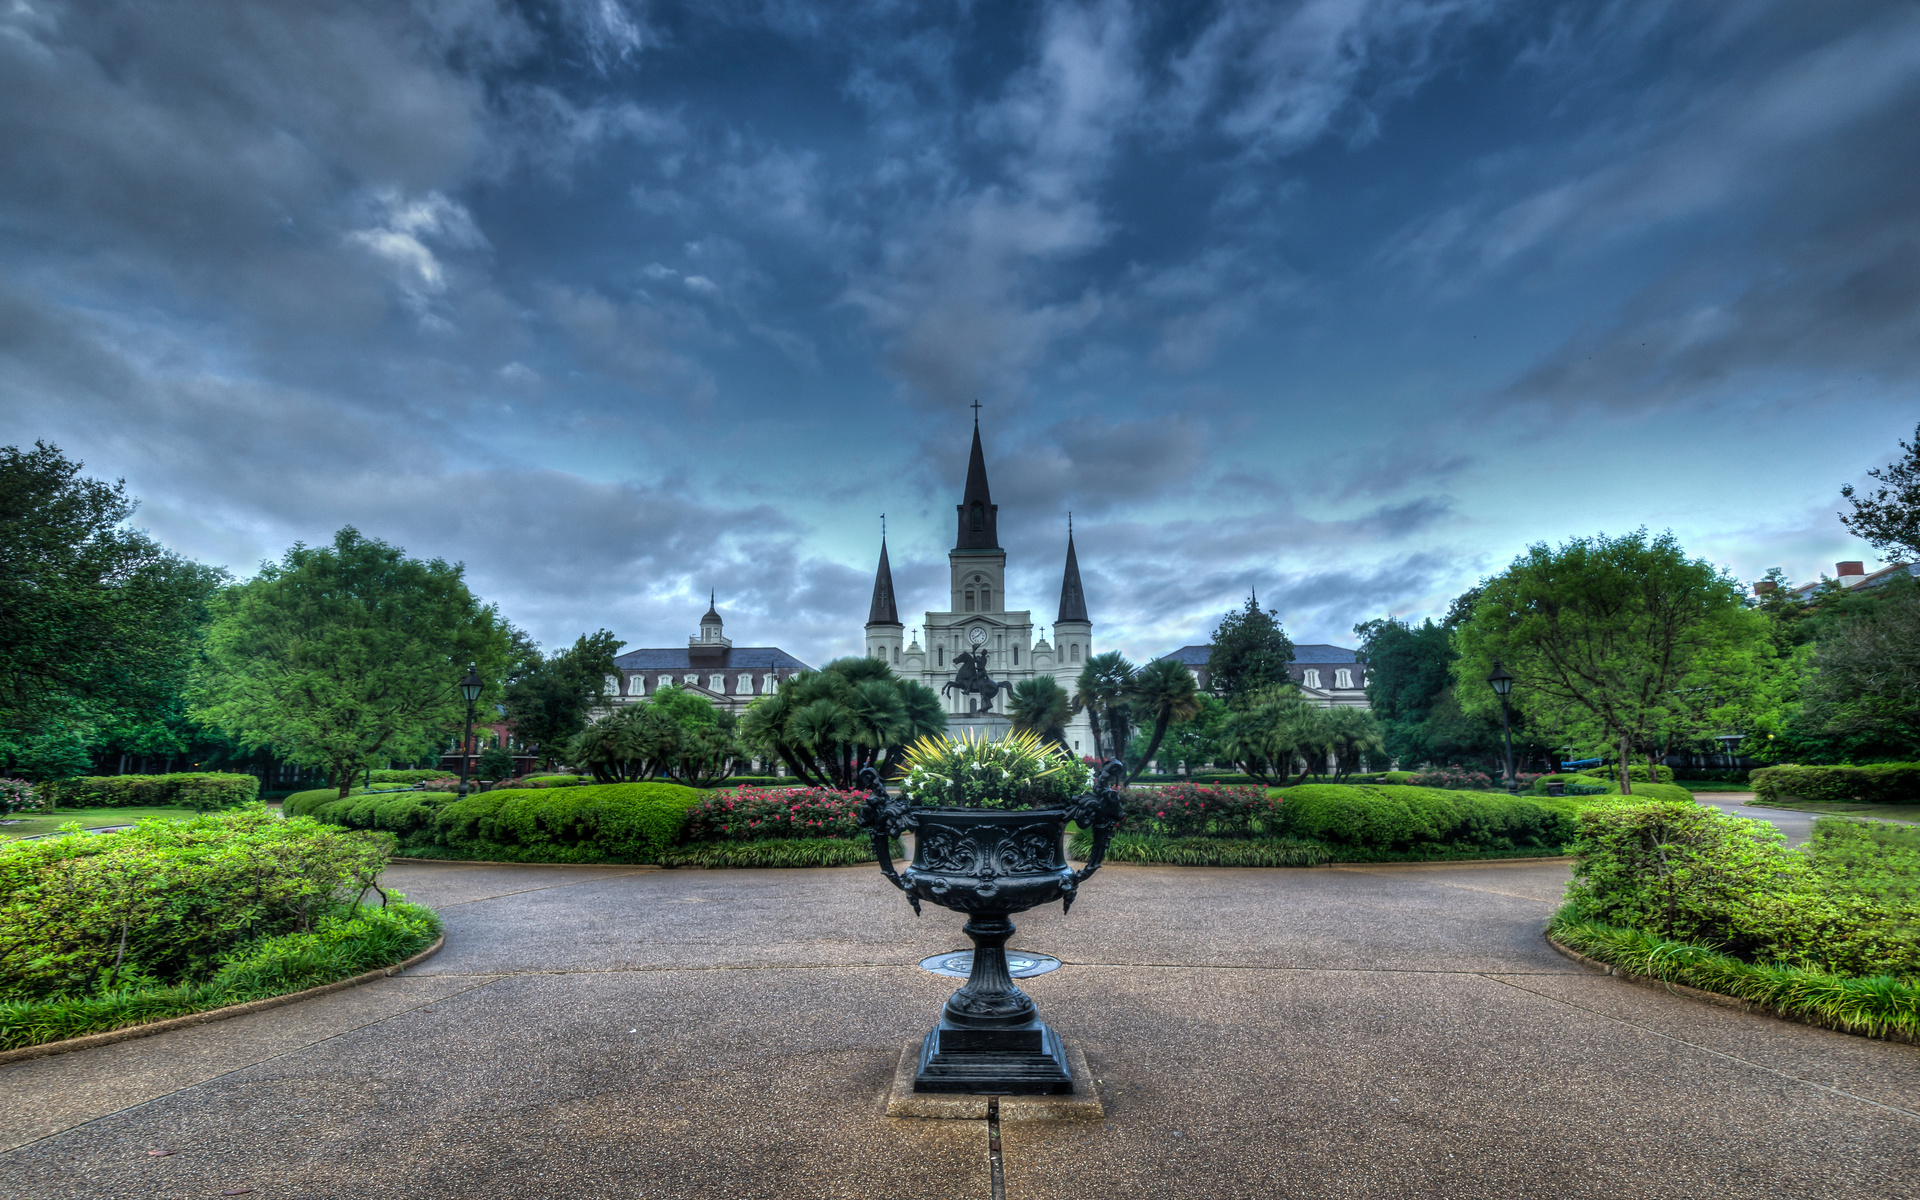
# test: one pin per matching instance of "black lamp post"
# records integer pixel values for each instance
(469, 688)
(1502, 683)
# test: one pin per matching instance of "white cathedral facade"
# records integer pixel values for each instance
(978, 620)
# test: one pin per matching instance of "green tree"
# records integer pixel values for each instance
(1350, 734)
(551, 699)
(1409, 668)
(1622, 640)
(1102, 691)
(1250, 653)
(345, 655)
(1197, 743)
(828, 725)
(1863, 689)
(1888, 516)
(1040, 706)
(1269, 730)
(99, 623)
(1163, 693)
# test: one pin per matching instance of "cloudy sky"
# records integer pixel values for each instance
(1346, 300)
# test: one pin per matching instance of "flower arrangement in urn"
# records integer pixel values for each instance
(989, 818)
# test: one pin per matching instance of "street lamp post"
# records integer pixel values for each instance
(1502, 683)
(470, 689)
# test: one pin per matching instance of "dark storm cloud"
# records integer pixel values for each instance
(619, 302)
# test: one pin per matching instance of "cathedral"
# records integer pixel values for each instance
(977, 620)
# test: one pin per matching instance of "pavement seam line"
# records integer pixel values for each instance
(269, 1058)
(1733, 1058)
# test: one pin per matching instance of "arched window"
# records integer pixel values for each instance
(1343, 678)
(1016, 656)
(1312, 678)
(979, 515)
(896, 654)
(1076, 652)
(939, 656)
(986, 599)
(969, 601)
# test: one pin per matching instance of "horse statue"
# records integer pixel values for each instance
(970, 677)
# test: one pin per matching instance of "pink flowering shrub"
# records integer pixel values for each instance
(774, 814)
(1452, 778)
(1197, 810)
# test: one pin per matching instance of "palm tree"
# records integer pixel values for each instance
(1163, 692)
(1276, 726)
(1040, 706)
(1101, 691)
(1352, 732)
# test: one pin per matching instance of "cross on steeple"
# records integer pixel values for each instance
(976, 411)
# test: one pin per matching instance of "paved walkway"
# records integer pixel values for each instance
(630, 1032)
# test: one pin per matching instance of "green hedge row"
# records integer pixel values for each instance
(1205, 852)
(187, 789)
(613, 822)
(1405, 819)
(164, 902)
(342, 943)
(789, 852)
(1881, 783)
(410, 776)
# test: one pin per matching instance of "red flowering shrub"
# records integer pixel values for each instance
(1454, 779)
(774, 814)
(1197, 810)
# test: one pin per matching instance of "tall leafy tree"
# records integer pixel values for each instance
(1887, 514)
(1040, 706)
(1197, 743)
(1250, 653)
(1409, 670)
(345, 655)
(1863, 690)
(98, 624)
(1622, 641)
(550, 699)
(1164, 694)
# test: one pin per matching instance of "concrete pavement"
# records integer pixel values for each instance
(1361, 1031)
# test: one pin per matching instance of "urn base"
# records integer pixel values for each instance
(1024, 1060)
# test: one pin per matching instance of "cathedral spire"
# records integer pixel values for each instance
(978, 512)
(1073, 599)
(883, 611)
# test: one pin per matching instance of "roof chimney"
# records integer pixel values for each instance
(1763, 587)
(1851, 573)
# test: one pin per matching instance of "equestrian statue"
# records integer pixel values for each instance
(970, 676)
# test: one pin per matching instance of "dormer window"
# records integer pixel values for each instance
(1343, 678)
(1311, 677)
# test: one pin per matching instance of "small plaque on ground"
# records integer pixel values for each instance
(1021, 964)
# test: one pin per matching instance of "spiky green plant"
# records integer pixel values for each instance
(1016, 771)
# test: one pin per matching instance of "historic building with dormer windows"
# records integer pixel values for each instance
(709, 665)
(977, 617)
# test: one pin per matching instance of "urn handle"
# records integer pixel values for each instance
(1100, 810)
(884, 817)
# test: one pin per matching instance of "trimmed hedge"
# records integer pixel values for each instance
(1881, 783)
(1635, 771)
(595, 823)
(164, 902)
(408, 776)
(342, 944)
(305, 804)
(186, 789)
(1409, 819)
(790, 852)
(1876, 1006)
(1205, 852)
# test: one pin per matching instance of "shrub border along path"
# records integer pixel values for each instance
(1788, 1012)
(148, 1028)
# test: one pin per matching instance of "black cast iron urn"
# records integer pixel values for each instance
(990, 864)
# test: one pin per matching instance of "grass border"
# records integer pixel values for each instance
(1879, 1006)
(148, 1028)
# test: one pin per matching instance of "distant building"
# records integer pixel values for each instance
(708, 665)
(1849, 575)
(1330, 676)
(977, 619)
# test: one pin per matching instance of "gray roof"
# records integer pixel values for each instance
(1312, 656)
(737, 658)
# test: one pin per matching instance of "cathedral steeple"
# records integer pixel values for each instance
(1073, 599)
(883, 611)
(978, 512)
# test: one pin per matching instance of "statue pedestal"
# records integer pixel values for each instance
(980, 727)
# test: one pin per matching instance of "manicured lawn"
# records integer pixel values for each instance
(1890, 812)
(32, 823)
